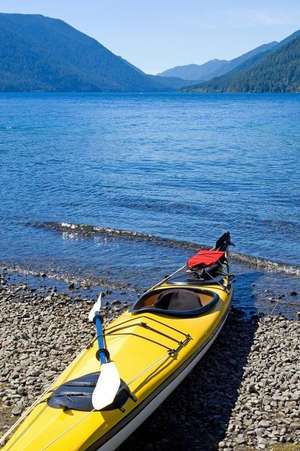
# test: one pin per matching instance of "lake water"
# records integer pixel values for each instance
(177, 166)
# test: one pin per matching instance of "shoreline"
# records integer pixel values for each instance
(91, 231)
(244, 394)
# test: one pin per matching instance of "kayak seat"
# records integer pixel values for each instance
(180, 299)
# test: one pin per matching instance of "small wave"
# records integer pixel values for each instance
(86, 230)
(266, 264)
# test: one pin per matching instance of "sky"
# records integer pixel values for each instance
(156, 35)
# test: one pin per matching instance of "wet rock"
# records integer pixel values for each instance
(116, 303)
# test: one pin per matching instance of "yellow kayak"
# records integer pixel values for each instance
(154, 346)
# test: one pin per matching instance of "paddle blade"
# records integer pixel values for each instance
(107, 386)
(96, 308)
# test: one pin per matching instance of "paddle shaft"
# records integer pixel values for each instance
(100, 338)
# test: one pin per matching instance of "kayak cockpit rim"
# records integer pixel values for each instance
(182, 302)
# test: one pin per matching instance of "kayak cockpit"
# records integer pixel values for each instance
(185, 295)
(182, 302)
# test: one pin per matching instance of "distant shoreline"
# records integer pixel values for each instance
(156, 93)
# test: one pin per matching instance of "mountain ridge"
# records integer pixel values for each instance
(39, 53)
(274, 71)
(215, 67)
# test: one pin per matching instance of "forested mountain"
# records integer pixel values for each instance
(197, 72)
(276, 71)
(216, 67)
(39, 53)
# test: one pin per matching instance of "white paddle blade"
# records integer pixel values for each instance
(107, 386)
(96, 308)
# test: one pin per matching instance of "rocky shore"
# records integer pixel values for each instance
(244, 395)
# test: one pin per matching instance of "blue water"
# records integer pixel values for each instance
(186, 167)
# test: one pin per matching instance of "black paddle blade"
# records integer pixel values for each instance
(76, 394)
(224, 242)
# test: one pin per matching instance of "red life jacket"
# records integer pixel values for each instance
(205, 258)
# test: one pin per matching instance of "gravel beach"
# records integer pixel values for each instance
(244, 394)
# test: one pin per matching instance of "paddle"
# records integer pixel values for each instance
(108, 383)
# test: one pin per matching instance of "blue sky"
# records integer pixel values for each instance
(155, 35)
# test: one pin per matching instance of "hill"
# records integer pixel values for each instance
(40, 53)
(197, 72)
(215, 67)
(170, 82)
(275, 71)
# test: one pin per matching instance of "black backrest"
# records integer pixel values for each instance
(178, 299)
